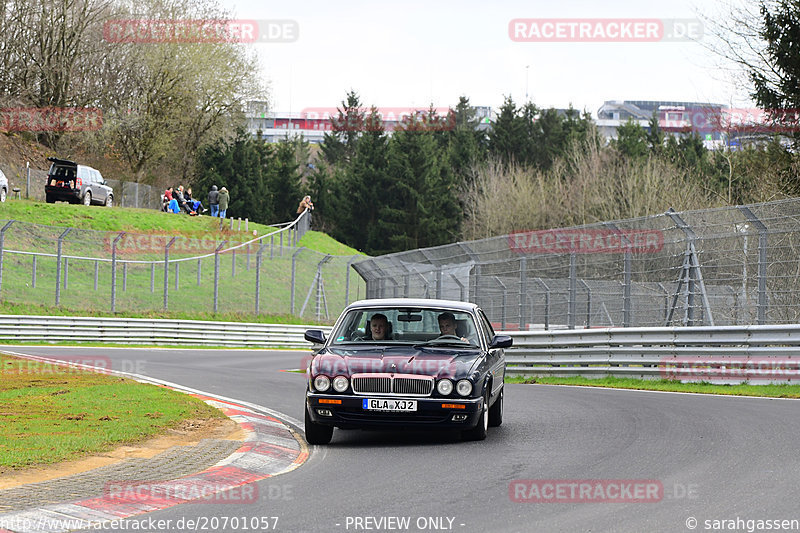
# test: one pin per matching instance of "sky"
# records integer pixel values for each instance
(420, 52)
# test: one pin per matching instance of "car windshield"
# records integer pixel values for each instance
(407, 325)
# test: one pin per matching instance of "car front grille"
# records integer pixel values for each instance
(406, 385)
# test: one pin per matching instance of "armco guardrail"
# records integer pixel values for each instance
(151, 331)
(727, 354)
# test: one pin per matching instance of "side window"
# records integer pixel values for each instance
(487, 327)
(98, 176)
(83, 174)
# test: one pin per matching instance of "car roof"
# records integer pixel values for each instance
(65, 162)
(415, 302)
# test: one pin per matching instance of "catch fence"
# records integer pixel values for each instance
(231, 271)
(727, 266)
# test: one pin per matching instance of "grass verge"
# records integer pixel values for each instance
(50, 413)
(770, 391)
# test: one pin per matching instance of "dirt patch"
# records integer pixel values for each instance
(188, 433)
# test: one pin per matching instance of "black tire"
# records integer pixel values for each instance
(480, 429)
(49, 199)
(496, 411)
(317, 433)
(3, 194)
(87, 198)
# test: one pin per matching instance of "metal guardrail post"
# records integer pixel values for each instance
(763, 234)
(216, 273)
(114, 271)
(294, 274)
(347, 280)
(259, 257)
(2, 243)
(166, 272)
(58, 265)
(573, 290)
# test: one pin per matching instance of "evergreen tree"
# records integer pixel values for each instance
(632, 140)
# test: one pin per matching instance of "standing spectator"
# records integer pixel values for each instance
(213, 200)
(305, 203)
(224, 198)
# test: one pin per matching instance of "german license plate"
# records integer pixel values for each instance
(389, 404)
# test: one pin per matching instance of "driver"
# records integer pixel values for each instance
(447, 324)
(379, 327)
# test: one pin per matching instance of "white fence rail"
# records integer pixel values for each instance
(19, 328)
(716, 354)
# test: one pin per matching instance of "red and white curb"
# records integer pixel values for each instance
(270, 448)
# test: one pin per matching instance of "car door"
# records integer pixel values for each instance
(497, 360)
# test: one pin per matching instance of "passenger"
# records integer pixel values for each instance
(378, 328)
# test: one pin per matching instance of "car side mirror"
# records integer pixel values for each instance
(501, 341)
(315, 335)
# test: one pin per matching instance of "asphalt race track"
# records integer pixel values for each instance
(730, 460)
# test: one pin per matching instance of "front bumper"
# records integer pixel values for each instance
(347, 411)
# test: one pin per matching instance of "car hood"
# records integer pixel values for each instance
(437, 362)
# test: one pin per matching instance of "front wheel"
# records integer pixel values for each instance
(480, 430)
(87, 198)
(317, 433)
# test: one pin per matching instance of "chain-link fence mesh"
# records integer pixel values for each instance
(228, 272)
(733, 265)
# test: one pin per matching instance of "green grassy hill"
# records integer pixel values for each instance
(29, 285)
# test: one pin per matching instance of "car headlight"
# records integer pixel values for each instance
(445, 387)
(322, 383)
(464, 387)
(340, 383)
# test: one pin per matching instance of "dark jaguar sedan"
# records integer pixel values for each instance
(406, 363)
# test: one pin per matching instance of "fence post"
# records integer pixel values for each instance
(2, 243)
(233, 262)
(166, 272)
(627, 265)
(523, 292)
(114, 271)
(177, 274)
(125, 276)
(573, 289)
(691, 270)
(294, 274)
(763, 233)
(258, 274)
(505, 298)
(216, 273)
(33, 274)
(199, 269)
(96, 272)
(541, 282)
(347, 281)
(588, 302)
(58, 265)
(153, 277)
